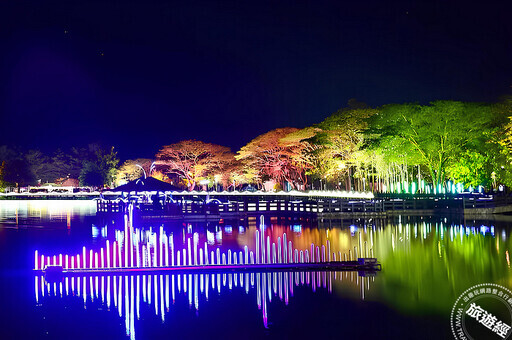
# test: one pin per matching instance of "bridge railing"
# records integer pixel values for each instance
(319, 206)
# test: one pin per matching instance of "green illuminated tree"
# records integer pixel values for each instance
(433, 136)
(488, 164)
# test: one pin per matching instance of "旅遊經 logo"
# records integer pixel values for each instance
(483, 311)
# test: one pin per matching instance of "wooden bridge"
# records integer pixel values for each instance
(191, 206)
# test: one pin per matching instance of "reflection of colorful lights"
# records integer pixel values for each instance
(137, 248)
(210, 237)
(58, 210)
(134, 247)
(218, 236)
(162, 290)
(484, 229)
(353, 229)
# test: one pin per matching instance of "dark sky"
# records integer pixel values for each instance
(141, 74)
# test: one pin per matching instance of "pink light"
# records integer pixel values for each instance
(114, 253)
(166, 245)
(108, 254)
(279, 253)
(290, 252)
(285, 252)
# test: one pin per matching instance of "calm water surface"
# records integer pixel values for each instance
(426, 264)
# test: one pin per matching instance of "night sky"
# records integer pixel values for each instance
(141, 74)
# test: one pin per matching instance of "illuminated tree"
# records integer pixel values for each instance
(470, 169)
(230, 174)
(337, 139)
(498, 147)
(433, 136)
(133, 169)
(300, 152)
(193, 160)
(278, 155)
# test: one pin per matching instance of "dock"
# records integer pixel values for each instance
(362, 265)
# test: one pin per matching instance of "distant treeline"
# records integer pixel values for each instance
(355, 148)
(91, 166)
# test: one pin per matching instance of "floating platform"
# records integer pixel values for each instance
(366, 265)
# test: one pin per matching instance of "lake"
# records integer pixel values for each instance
(427, 262)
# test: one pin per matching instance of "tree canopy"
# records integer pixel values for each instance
(99, 170)
(357, 147)
(337, 138)
(434, 136)
(193, 160)
(132, 169)
(279, 155)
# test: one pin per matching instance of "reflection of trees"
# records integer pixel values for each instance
(425, 266)
(425, 272)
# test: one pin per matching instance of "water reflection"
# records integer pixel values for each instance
(161, 291)
(156, 247)
(27, 212)
(135, 247)
(427, 263)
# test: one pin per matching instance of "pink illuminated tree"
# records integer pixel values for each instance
(280, 155)
(193, 160)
